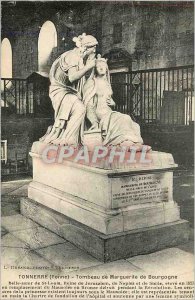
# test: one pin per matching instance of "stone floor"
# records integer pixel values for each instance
(27, 244)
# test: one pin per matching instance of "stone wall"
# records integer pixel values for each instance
(179, 141)
(155, 34)
(20, 132)
(26, 128)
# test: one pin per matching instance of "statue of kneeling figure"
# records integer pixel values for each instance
(117, 129)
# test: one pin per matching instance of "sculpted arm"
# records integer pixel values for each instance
(90, 102)
(74, 75)
(91, 114)
(70, 62)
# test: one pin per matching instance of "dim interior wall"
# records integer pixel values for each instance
(25, 49)
(23, 130)
(156, 36)
(177, 140)
(24, 40)
(20, 132)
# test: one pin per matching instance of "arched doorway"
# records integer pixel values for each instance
(47, 45)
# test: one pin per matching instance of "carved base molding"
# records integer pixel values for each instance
(108, 247)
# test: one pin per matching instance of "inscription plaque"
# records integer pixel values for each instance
(144, 188)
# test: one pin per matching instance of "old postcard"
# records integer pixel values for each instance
(97, 151)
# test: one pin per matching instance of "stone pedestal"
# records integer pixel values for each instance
(111, 213)
(107, 247)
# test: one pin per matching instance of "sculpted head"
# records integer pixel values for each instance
(86, 43)
(101, 66)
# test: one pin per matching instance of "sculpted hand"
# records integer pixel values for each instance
(91, 56)
(110, 102)
(95, 126)
(90, 64)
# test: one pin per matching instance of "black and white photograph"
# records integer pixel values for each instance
(97, 150)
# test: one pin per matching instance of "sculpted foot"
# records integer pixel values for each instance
(53, 135)
(148, 148)
(57, 141)
(140, 147)
(69, 142)
(49, 129)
